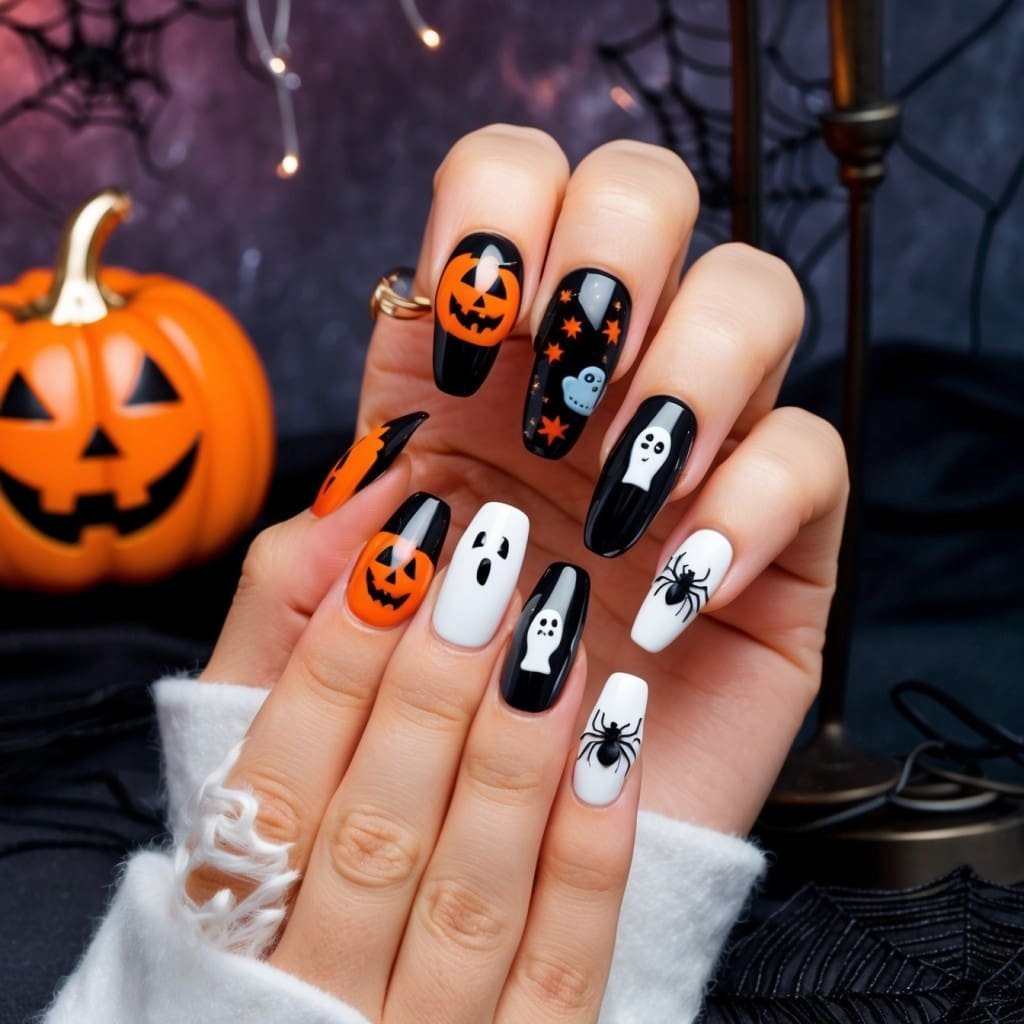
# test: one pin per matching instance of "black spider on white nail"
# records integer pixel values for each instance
(614, 743)
(682, 586)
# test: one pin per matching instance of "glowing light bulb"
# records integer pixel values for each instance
(431, 38)
(622, 98)
(277, 65)
(288, 166)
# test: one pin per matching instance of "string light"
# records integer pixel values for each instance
(273, 54)
(430, 37)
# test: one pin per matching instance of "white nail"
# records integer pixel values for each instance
(684, 585)
(482, 575)
(610, 744)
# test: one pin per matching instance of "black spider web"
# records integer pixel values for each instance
(805, 217)
(97, 64)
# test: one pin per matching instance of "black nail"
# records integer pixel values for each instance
(475, 309)
(365, 460)
(577, 349)
(546, 637)
(639, 473)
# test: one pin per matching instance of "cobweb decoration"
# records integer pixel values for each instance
(952, 950)
(98, 64)
(676, 73)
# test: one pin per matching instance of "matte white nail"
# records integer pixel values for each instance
(690, 576)
(482, 575)
(611, 741)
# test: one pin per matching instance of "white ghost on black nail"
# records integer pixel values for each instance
(649, 452)
(542, 638)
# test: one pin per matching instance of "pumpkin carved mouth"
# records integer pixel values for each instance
(99, 509)
(382, 596)
(471, 319)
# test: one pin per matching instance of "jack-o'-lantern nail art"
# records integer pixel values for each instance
(546, 638)
(364, 461)
(639, 474)
(475, 309)
(394, 571)
(577, 349)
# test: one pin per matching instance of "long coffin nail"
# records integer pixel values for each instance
(475, 309)
(639, 473)
(394, 571)
(577, 349)
(546, 637)
(610, 744)
(482, 575)
(691, 575)
(364, 461)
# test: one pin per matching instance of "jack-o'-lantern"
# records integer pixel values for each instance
(478, 297)
(136, 432)
(390, 580)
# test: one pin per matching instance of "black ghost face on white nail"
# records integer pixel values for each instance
(486, 564)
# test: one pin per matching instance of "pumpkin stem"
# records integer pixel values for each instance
(76, 295)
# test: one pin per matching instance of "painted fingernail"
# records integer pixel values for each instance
(690, 576)
(577, 349)
(546, 637)
(610, 744)
(394, 571)
(639, 473)
(364, 461)
(475, 309)
(482, 575)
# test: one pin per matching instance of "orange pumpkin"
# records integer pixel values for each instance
(477, 298)
(390, 580)
(136, 432)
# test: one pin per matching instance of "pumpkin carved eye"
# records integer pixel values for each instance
(22, 403)
(410, 569)
(152, 386)
(386, 555)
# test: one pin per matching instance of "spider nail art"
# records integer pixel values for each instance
(682, 588)
(394, 571)
(610, 744)
(364, 461)
(475, 309)
(545, 639)
(639, 473)
(577, 349)
(482, 575)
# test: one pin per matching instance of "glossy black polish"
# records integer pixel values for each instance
(639, 473)
(577, 349)
(475, 308)
(546, 638)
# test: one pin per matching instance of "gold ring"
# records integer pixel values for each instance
(385, 299)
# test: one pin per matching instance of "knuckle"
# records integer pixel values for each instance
(457, 915)
(556, 983)
(644, 161)
(280, 815)
(503, 146)
(823, 444)
(587, 873)
(442, 710)
(263, 557)
(372, 850)
(504, 776)
(332, 680)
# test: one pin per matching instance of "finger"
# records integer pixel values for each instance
(734, 323)
(562, 964)
(468, 914)
(495, 199)
(628, 211)
(756, 555)
(383, 822)
(303, 737)
(290, 566)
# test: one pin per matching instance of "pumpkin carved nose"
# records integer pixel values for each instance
(99, 444)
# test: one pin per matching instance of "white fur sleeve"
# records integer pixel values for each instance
(687, 887)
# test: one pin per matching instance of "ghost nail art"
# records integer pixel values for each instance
(639, 474)
(685, 584)
(546, 637)
(476, 307)
(482, 575)
(577, 349)
(610, 744)
(394, 571)
(364, 461)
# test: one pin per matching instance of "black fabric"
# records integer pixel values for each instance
(942, 598)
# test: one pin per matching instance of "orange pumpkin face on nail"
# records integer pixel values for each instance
(390, 580)
(478, 297)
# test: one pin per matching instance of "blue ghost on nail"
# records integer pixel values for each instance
(582, 393)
